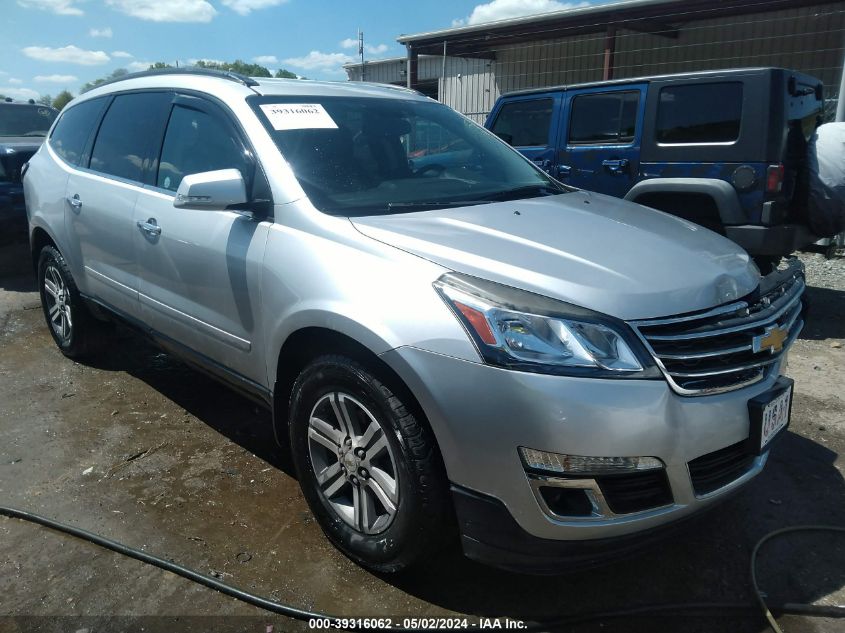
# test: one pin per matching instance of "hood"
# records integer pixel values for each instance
(591, 250)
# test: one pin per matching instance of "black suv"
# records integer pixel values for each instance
(23, 127)
(725, 149)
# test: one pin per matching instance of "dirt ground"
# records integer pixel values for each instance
(139, 448)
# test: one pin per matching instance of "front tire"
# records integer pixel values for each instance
(369, 469)
(73, 328)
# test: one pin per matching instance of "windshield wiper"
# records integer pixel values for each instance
(433, 204)
(529, 191)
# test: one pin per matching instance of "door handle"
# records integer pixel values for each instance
(616, 165)
(563, 170)
(150, 227)
(74, 202)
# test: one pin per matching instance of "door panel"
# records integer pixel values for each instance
(601, 139)
(200, 280)
(98, 214)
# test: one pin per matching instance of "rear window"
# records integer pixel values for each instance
(71, 133)
(699, 113)
(607, 117)
(26, 120)
(524, 123)
(133, 122)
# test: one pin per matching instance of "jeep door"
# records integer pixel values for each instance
(101, 195)
(200, 269)
(529, 124)
(601, 137)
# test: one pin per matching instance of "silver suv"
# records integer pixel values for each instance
(445, 334)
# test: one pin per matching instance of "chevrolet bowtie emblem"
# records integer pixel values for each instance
(771, 340)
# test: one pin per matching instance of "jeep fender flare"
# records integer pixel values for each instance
(722, 193)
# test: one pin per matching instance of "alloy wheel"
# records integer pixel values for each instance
(57, 299)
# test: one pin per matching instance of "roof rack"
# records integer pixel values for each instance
(191, 70)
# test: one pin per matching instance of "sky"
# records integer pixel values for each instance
(52, 45)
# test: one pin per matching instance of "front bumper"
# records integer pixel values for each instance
(482, 414)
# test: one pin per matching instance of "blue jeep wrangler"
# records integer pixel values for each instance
(724, 149)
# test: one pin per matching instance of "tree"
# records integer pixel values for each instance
(284, 73)
(62, 99)
(237, 66)
(46, 100)
(160, 65)
(115, 74)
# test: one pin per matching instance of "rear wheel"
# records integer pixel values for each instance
(368, 468)
(73, 328)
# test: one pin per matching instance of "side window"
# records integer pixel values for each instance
(196, 142)
(75, 126)
(129, 129)
(604, 118)
(699, 113)
(524, 123)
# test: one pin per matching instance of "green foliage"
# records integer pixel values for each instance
(237, 66)
(46, 100)
(62, 99)
(283, 73)
(115, 74)
(159, 65)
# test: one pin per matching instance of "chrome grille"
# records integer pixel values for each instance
(731, 346)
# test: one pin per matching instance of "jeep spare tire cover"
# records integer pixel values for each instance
(826, 211)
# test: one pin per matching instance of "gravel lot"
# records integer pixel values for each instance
(139, 448)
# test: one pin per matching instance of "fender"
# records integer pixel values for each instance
(724, 195)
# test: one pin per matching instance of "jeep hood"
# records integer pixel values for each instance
(588, 249)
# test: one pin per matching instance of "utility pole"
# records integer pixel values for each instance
(361, 51)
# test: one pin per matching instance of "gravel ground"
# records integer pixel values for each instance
(141, 449)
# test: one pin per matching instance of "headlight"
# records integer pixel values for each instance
(521, 330)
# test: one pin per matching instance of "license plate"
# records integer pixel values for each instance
(769, 414)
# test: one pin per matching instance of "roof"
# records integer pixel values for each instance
(658, 17)
(231, 85)
(532, 19)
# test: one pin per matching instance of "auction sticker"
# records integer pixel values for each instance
(298, 116)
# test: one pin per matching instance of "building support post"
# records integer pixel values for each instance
(413, 58)
(609, 52)
(840, 104)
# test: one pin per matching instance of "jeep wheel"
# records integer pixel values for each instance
(369, 469)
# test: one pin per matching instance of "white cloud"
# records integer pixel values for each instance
(166, 10)
(505, 9)
(315, 60)
(244, 7)
(70, 54)
(15, 81)
(378, 49)
(61, 7)
(55, 79)
(122, 54)
(19, 93)
(266, 59)
(134, 67)
(106, 32)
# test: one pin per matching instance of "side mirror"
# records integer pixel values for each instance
(211, 190)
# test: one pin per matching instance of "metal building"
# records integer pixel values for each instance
(469, 67)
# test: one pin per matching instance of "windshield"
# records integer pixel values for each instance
(25, 120)
(361, 156)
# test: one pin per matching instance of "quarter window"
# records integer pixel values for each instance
(524, 123)
(700, 113)
(132, 124)
(604, 118)
(196, 142)
(71, 134)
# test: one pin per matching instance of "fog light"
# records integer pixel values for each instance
(580, 465)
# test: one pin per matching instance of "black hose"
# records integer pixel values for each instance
(704, 609)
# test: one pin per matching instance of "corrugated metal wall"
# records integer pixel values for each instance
(809, 39)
